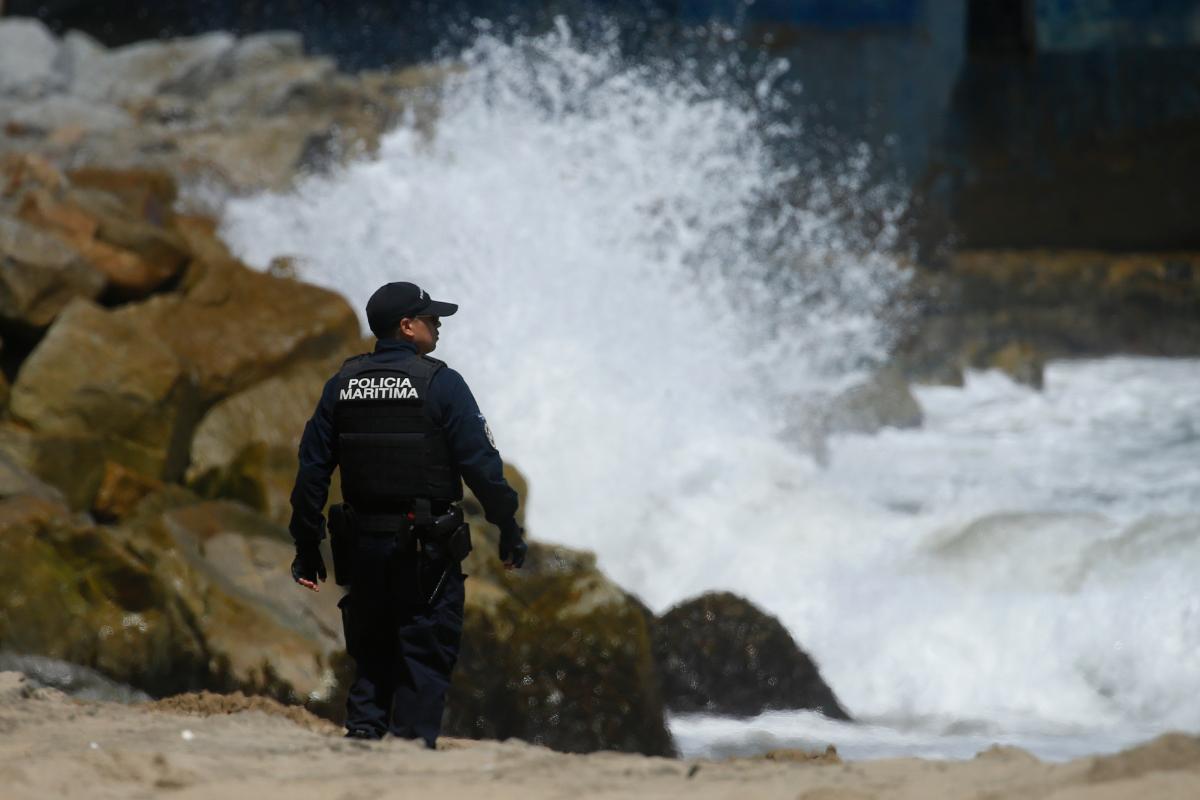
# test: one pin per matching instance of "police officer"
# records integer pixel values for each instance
(403, 428)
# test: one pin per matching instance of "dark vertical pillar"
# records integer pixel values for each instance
(1001, 29)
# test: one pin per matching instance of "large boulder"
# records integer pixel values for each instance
(16, 480)
(233, 326)
(185, 595)
(557, 655)
(267, 88)
(28, 52)
(231, 569)
(73, 591)
(134, 255)
(883, 401)
(142, 70)
(117, 223)
(63, 113)
(71, 463)
(245, 447)
(271, 412)
(265, 153)
(39, 275)
(719, 654)
(100, 376)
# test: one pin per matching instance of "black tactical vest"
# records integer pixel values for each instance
(389, 450)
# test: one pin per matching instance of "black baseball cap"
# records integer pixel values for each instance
(393, 302)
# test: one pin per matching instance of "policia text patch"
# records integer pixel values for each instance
(380, 388)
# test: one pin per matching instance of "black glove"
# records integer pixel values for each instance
(308, 564)
(512, 545)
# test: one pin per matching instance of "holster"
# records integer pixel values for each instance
(447, 537)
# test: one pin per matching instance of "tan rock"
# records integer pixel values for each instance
(233, 326)
(41, 209)
(1021, 361)
(137, 71)
(245, 446)
(72, 464)
(147, 194)
(60, 114)
(558, 655)
(136, 256)
(266, 90)
(199, 233)
(260, 154)
(259, 475)
(16, 480)
(187, 595)
(75, 592)
(121, 489)
(29, 168)
(125, 271)
(884, 400)
(119, 231)
(26, 243)
(39, 275)
(258, 52)
(795, 755)
(271, 412)
(231, 569)
(138, 401)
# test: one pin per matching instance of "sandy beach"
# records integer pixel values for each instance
(54, 746)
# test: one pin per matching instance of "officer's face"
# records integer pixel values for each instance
(422, 332)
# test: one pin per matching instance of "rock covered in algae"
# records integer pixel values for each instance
(557, 655)
(719, 654)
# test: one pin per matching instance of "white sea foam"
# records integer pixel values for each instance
(641, 308)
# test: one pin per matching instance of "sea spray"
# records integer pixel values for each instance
(644, 307)
(642, 302)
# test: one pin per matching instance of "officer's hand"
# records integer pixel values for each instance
(308, 568)
(513, 547)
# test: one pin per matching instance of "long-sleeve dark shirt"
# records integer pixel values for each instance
(450, 404)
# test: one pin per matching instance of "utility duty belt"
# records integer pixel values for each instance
(442, 537)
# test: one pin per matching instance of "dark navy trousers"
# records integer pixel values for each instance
(404, 646)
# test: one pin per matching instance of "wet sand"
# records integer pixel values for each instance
(53, 746)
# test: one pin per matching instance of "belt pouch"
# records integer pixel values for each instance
(458, 545)
(341, 542)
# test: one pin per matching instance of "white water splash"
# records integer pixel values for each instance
(639, 301)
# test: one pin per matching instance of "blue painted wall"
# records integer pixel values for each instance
(1080, 25)
(828, 14)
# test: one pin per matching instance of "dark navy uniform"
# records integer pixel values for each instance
(403, 615)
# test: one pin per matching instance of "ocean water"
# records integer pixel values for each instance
(654, 324)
